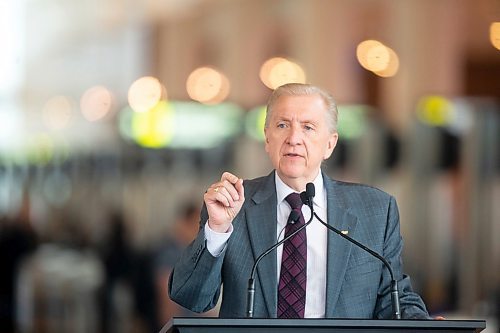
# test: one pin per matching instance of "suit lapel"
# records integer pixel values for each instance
(261, 223)
(338, 249)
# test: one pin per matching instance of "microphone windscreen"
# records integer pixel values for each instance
(294, 217)
(303, 197)
(310, 190)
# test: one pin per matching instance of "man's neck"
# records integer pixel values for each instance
(297, 184)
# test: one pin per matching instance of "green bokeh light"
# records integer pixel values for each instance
(352, 120)
(254, 122)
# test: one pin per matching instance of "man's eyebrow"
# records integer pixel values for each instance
(282, 118)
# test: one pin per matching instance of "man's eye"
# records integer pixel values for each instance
(281, 125)
(308, 128)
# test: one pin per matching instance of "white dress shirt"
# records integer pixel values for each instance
(316, 244)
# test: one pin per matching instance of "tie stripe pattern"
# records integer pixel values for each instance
(292, 283)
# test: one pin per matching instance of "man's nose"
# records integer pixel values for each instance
(294, 135)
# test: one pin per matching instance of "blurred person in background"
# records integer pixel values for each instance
(128, 272)
(241, 219)
(17, 241)
(180, 234)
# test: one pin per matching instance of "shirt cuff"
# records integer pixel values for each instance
(216, 241)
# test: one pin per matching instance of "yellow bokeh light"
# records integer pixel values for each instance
(435, 110)
(255, 120)
(96, 103)
(392, 66)
(153, 128)
(145, 93)
(41, 148)
(207, 85)
(278, 71)
(57, 112)
(495, 34)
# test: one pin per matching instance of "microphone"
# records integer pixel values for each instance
(307, 198)
(292, 219)
(308, 195)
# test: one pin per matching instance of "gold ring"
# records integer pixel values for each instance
(216, 189)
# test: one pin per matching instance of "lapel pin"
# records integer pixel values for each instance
(345, 232)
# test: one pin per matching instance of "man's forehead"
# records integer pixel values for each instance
(310, 106)
(306, 96)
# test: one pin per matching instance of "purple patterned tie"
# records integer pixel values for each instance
(292, 284)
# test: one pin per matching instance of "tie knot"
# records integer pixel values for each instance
(294, 200)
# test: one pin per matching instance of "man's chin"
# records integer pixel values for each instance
(291, 174)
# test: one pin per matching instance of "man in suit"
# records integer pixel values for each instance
(241, 219)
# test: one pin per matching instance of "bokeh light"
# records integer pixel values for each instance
(207, 85)
(363, 50)
(145, 93)
(153, 128)
(435, 110)
(255, 120)
(41, 149)
(204, 126)
(278, 71)
(96, 103)
(181, 125)
(352, 121)
(58, 112)
(378, 58)
(125, 117)
(265, 70)
(392, 66)
(495, 34)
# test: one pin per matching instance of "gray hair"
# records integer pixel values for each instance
(300, 89)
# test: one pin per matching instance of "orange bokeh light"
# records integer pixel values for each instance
(145, 93)
(278, 71)
(207, 85)
(96, 103)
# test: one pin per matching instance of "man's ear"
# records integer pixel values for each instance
(266, 139)
(331, 144)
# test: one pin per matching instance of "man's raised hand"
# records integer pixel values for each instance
(224, 200)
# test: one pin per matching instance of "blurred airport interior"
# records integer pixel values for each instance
(116, 115)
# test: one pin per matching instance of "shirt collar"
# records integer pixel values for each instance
(283, 190)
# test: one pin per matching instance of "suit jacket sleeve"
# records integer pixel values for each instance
(412, 306)
(195, 281)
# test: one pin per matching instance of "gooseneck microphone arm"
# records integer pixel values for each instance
(307, 198)
(294, 217)
(394, 283)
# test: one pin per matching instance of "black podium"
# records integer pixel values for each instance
(251, 325)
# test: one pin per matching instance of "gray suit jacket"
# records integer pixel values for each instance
(357, 283)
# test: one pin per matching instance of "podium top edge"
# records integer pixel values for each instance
(311, 322)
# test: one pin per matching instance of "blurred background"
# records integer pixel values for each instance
(116, 115)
